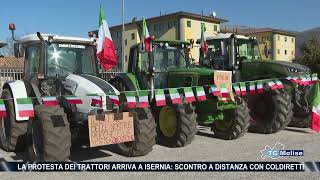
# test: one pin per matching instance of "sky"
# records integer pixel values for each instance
(77, 17)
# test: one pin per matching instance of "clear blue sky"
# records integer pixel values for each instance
(77, 17)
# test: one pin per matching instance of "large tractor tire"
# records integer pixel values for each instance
(144, 127)
(12, 132)
(235, 124)
(176, 124)
(49, 137)
(270, 112)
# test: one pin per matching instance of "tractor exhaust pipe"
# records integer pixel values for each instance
(234, 62)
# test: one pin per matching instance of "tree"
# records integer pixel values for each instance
(8, 50)
(311, 53)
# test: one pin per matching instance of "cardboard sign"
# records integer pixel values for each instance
(110, 128)
(224, 77)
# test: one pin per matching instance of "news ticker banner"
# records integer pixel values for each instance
(139, 99)
(163, 166)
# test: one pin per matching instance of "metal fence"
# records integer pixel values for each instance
(9, 75)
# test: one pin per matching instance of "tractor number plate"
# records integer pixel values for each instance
(110, 128)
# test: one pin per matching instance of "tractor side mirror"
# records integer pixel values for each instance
(18, 50)
(223, 48)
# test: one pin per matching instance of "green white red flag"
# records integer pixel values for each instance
(201, 95)
(303, 81)
(252, 88)
(96, 100)
(243, 88)
(236, 89)
(315, 116)
(272, 85)
(160, 97)
(25, 107)
(3, 112)
(105, 48)
(314, 79)
(215, 90)
(131, 99)
(147, 40)
(204, 44)
(114, 99)
(50, 101)
(188, 93)
(175, 96)
(260, 87)
(224, 90)
(279, 84)
(143, 99)
(73, 99)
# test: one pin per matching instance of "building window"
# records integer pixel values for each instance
(155, 27)
(126, 58)
(278, 38)
(126, 42)
(292, 40)
(188, 23)
(285, 52)
(285, 39)
(170, 24)
(132, 36)
(292, 53)
(119, 34)
(278, 51)
(215, 28)
(160, 27)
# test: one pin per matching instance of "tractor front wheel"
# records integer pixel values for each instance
(235, 124)
(270, 112)
(49, 137)
(12, 132)
(176, 125)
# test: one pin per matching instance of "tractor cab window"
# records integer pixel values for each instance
(65, 59)
(168, 58)
(247, 49)
(32, 63)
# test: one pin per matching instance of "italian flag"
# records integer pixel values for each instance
(243, 88)
(143, 99)
(314, 79)
(50, 101)
(224, 91)
(96, 100)
(279, 84)
(260, 87)
(3, 112)
(188, 93)
(147, 39)
(315, 116)
(252, 88)
(201, 95)
(105, 48)
(272, 85)
(236, 89)
(73, 99)
(295, 80)
(175, 96)
(303, 81)
(25, 107)
(214, 89)
(204, 44)
(114, 99)
(131, 99)
(160, 97)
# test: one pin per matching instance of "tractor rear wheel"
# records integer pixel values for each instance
(12, 132)
(49, 137)
(270, 112)
(176, 125)
(144, 127)
(235, 124)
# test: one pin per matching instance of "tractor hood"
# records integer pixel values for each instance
(185, 77)
(81, 85)
(257, 69)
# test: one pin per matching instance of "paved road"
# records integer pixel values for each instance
(203, 148)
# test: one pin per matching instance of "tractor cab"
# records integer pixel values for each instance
(219, 51)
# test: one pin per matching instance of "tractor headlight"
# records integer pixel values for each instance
(292, 69)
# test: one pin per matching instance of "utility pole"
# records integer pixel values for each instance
(122, 40)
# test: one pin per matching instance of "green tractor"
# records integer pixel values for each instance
(271, 111)
(168, 66)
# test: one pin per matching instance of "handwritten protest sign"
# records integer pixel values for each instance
(224, 77)
(110, 128)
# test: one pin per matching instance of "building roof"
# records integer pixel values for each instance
(180, 14)
(2, 44)
(11, 62)
(277, 31)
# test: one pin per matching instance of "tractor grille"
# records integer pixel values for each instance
(205, 80)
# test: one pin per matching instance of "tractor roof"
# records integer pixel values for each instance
(67, 39)
(170, 41)
(226, 36)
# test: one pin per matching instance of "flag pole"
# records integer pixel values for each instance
(122, 40)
